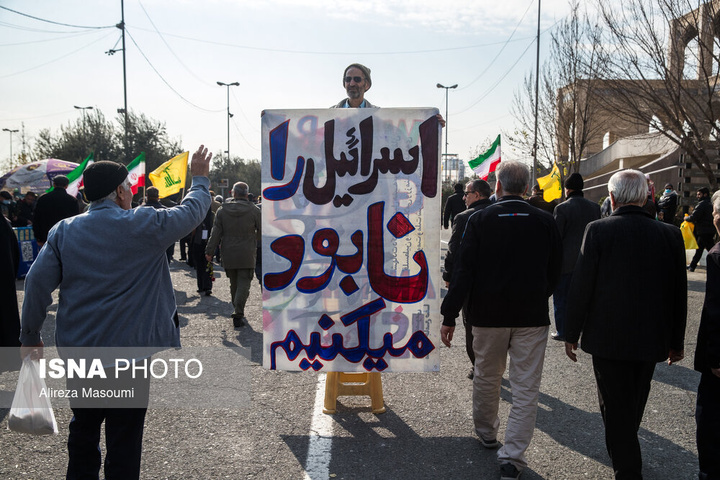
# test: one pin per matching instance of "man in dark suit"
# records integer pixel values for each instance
(571, 216)
(453, 205)
(707, 362)
(508, 315)
(627, 324)
(53, 207)
(704, 231)
(476, 196)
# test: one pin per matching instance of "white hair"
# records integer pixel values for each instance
(628, 187)
(113, 195)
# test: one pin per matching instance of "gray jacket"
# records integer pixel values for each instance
(113, 275)
(237, 230)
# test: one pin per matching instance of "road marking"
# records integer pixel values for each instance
(317, 466)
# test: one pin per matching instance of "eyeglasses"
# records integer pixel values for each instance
(357, 79)
(466, 193)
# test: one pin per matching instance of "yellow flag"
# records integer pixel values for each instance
(551, 185)
(169, 177)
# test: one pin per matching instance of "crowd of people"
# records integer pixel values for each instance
(594, 266)
(593, 260)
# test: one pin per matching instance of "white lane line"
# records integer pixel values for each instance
(317, 466)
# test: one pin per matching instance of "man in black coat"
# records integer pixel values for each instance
(53, 207)
(707, 362)
(453, 206)
(508, 315)
(627, 325)
(704, 231)
(571, 216)
(477, 196)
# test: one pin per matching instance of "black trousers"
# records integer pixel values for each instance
(197, 253)
(123, 429)
(623, 389)
(707, 418)
(705, 242)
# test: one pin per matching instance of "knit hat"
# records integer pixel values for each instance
(102, 178)
(574, 182)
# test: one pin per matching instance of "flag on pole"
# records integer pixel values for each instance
(136, 173)
(487, 162)
(551, 184)
(76, 176)
(170, 177)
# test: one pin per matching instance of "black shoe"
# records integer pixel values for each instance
(558, 337)
(471, 375)
(690, 268)
(489, 444)
(239, 322)
(208, 293)
(508, 471)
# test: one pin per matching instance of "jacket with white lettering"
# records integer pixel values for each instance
(509, 265)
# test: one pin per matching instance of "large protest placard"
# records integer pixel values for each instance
(351, 239)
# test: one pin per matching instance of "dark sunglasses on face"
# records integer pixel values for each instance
(357, 79)
(466, 193)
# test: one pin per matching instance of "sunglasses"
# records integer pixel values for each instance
(467, 193)
(357, 79)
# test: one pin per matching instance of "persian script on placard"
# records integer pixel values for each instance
(351, 239)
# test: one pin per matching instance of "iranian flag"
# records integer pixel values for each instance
(487, 162)
(136, 173)
(76, 176)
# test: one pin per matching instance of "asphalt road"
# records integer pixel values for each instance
(426, 433)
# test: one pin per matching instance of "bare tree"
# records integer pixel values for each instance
(655, 80)
(567, 99)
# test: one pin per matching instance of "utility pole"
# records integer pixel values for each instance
(447, 89)
(112, 51)
(537, 95)
(11, 140)
(229, 115)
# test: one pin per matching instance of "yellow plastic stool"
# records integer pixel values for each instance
(338, 384)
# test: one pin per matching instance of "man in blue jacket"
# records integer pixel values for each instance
(115, 291)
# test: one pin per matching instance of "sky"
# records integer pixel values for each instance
(284, 54)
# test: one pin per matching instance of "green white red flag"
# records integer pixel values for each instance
(487, 162)
(136, 173)
(76, 176)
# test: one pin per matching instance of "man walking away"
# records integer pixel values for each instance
(509, 316)
(627, 325)
(237, 230)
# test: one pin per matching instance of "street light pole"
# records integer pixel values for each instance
(11, 132)
(447, 89)
(229, 115)
(83, 109)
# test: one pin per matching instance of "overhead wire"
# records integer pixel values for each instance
(492, 62)
(40, 30)
(242, 112)
(165, 81)
(489, 91)
(56, 59)
(170, 48)
(53, 39)
(54, 22)
(314, 52)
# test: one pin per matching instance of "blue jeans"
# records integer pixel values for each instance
(560, 296)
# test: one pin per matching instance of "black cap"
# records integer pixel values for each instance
(574, 182)
(101, 178)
